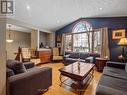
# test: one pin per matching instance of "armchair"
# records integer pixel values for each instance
(29, 55)
(56, 55)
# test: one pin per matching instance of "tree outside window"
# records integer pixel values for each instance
(83, 39)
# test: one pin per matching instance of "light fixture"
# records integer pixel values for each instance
(58, 21)
(28, 7)
(9, 40)
(100, 8)
(122, 42)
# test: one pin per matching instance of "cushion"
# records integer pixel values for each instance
(126, 67)
(115, 72)
(74, 55)
(57, 57)
(26, 53)
(70, 60)
(10, 63)
(16, 66)
(84, 55)
(19, 68)
(104, 90)
(29, 65)
(114, 83)
(81, 60)
(89, 59)
(116, 64)
(9, 72)
(55, 52)
(36, 61)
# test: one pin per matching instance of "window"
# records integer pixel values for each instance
(97, 42)
(83, 39)
(81, 42)
(82, 26)
(68, 41)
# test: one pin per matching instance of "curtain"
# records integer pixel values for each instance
(63, 45)
(104, 43)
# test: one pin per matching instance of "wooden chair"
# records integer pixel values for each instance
(56, 54)
(28, 54)
(18, 54)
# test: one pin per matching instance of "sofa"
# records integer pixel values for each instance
(113, 80)
(72, 57)
(26, 79)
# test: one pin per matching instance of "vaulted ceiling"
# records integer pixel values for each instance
(54, 14)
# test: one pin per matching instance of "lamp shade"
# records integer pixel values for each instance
(123, 41)
(9, 40)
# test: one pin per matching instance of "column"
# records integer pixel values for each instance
(35, 39)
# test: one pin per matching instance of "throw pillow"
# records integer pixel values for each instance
(10, 63)
(16, 66)
(9, 72)
(19, 68)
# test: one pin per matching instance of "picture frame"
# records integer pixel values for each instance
(59, 38)
(59, 45)
(118, 34)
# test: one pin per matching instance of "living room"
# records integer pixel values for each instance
(75, 47)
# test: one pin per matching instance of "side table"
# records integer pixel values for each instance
(100, 63)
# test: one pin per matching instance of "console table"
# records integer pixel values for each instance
(44, 55)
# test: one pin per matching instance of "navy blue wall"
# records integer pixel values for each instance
(111, 22)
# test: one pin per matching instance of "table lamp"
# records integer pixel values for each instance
(123, 42)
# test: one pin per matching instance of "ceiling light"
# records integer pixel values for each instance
(58, 21)
(100, 8)
(28, 7)
(9, 40)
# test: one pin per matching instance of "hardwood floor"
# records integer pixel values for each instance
(55, 89)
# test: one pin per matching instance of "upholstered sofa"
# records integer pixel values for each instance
(72, 57)
(113, 80)
(26, 79)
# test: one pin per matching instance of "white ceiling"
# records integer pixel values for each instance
(54, 14)
(17, 28)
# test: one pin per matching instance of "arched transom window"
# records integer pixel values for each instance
(82, 26)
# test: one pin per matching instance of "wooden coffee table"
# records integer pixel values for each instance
(79, 73)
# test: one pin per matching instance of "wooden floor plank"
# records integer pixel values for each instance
(55, 89)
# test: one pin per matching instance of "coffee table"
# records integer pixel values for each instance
(79, 73)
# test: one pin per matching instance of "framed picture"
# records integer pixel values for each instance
(59, 38)
(117, 34)
(58, 44)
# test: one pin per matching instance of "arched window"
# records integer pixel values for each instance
(82, 26)
(82, 38)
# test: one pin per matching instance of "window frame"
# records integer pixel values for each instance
(72, 34)
(89, 29)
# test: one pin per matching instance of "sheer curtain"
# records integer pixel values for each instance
(104, 43)
(63, 45)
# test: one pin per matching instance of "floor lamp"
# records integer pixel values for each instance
(122, 42)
